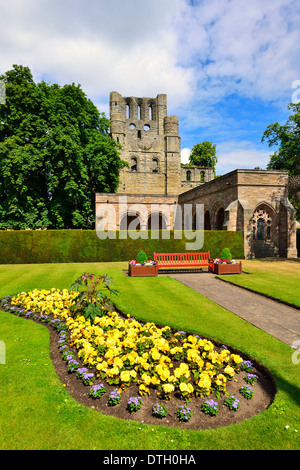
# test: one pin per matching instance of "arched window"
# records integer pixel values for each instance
(139, 111)
(150, 113)
(133, 164)
(188, 175)
(202, 174)
(127, 111)
(262, 224)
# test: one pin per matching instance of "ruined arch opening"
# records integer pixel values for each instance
(220, 218)
(157, 221)
(207, 225)
(130, 222)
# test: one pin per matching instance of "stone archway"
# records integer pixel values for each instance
(130, 222)
(207, 224)
(157, 221)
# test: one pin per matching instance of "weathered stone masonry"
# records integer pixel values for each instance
(254, 202)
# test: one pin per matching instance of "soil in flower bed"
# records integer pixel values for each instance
(264, 391)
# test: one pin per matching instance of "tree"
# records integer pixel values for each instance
(287, 156)
(204, 154)
(55, 153)
(287, 138)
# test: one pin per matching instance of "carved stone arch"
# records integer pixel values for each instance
(207, 223)
(263, 222)
(128, 108)
(151, 110)
(157, 221)
(217, 216)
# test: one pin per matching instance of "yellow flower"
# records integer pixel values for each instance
(125, 376)
(155, 354)
(229, 370)
(168, 388)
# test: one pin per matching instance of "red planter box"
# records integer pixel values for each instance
(135, 271)
(228, 268)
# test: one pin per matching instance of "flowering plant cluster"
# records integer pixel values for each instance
(250, 378)
(146, 263)
(225, 261)
(184, 413)
(159, 410)
(122, 350)
(246, 391)
(210, 407)
(232, 403)
(114, 397)
(97, 390)
(134, 403)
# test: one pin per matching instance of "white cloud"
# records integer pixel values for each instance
(185, 153)
(199, 53)
(242, 155)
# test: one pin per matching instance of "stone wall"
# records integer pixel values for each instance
(254, 202)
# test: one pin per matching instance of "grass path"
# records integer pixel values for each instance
(36, 412)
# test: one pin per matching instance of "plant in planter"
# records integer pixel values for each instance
(226, 265)
(226, 254)
(142, 266)
(142, 257)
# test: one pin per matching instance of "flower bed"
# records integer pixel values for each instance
(122, 353)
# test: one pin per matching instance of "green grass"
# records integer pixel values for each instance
(277, 278)
(36, 412)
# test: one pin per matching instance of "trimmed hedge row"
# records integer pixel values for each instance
(75, 246)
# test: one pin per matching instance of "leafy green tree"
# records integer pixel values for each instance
(287, 138)
(204, 154)
(55, 153)
(287, 156)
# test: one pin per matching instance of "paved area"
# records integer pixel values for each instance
(277, 319)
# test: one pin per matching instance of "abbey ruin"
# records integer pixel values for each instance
(254, 202)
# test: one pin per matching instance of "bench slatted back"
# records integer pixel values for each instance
(182, 259)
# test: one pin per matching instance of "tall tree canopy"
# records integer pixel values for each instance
(287, 157)
(204, 154)
(55, 153)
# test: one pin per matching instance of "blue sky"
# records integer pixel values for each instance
(227, 66)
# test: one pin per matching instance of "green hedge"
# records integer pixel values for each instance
(75, 246)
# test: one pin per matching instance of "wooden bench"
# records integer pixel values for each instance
(178, 260)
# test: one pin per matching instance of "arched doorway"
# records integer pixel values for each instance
(220, 218)
(207, 225)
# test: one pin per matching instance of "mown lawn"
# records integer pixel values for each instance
(277, 278)
(36, 412)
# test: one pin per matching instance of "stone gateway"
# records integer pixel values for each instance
(254, 202)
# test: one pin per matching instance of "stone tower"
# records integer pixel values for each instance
(150, 144)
